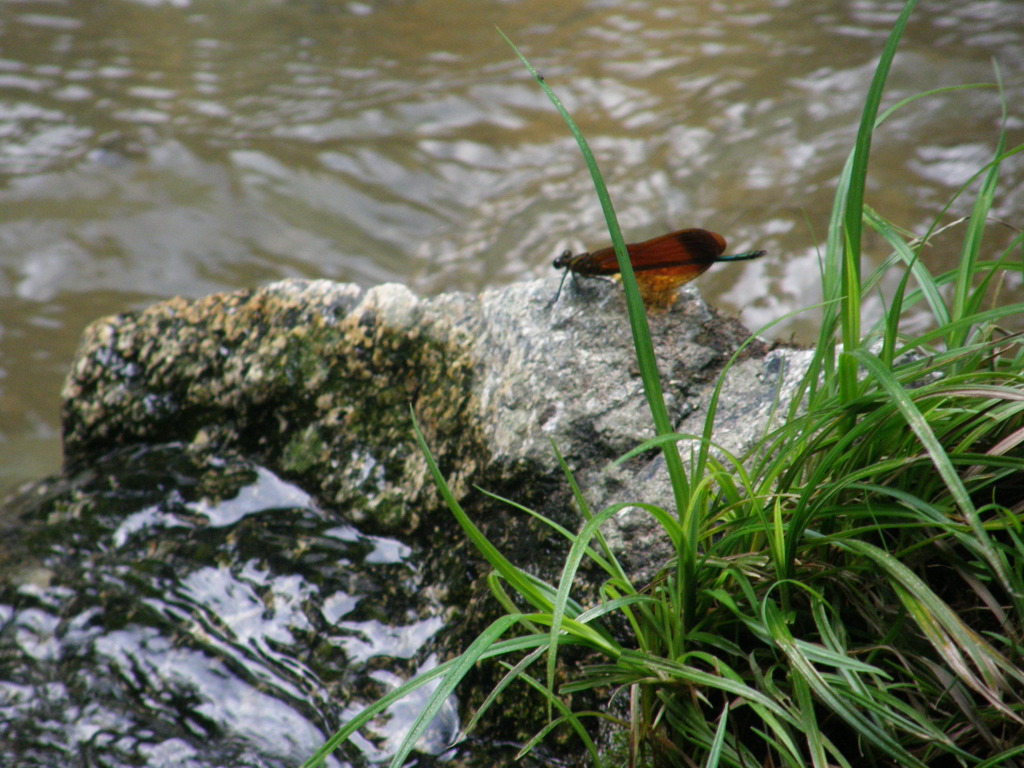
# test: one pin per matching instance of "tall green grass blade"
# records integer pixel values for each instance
(531, 588)
(634, 304)
(511, 675)
(715, 753)
(843, 252)
(370, 712)
(463, 664)
(452, 672)
(572, 564)
(810, 726)
(609, 563)
(962, 300)
(646, 360)
(640, 665)
(834, 273)
(916, 267)
(566, 715)
(966, 269)
(1002, 760)
(854, 209)
(985, 317)
(606, 562)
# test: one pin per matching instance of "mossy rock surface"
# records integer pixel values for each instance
(318, 380)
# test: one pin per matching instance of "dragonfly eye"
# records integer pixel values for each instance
(563, 261)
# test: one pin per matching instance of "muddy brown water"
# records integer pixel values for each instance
(153, 148)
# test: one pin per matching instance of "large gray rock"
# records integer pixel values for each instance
(317, 380)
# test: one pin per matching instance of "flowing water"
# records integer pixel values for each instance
(154, 148)
(150, 148)
(168, 609)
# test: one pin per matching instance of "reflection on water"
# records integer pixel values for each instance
(156, 148)
(170, 609)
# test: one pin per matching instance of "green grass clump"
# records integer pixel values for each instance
(848, 593)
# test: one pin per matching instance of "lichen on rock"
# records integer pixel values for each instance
(318, 381)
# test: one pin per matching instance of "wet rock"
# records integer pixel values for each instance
(235, 466)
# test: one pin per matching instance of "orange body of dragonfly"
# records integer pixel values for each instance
(661, 265)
